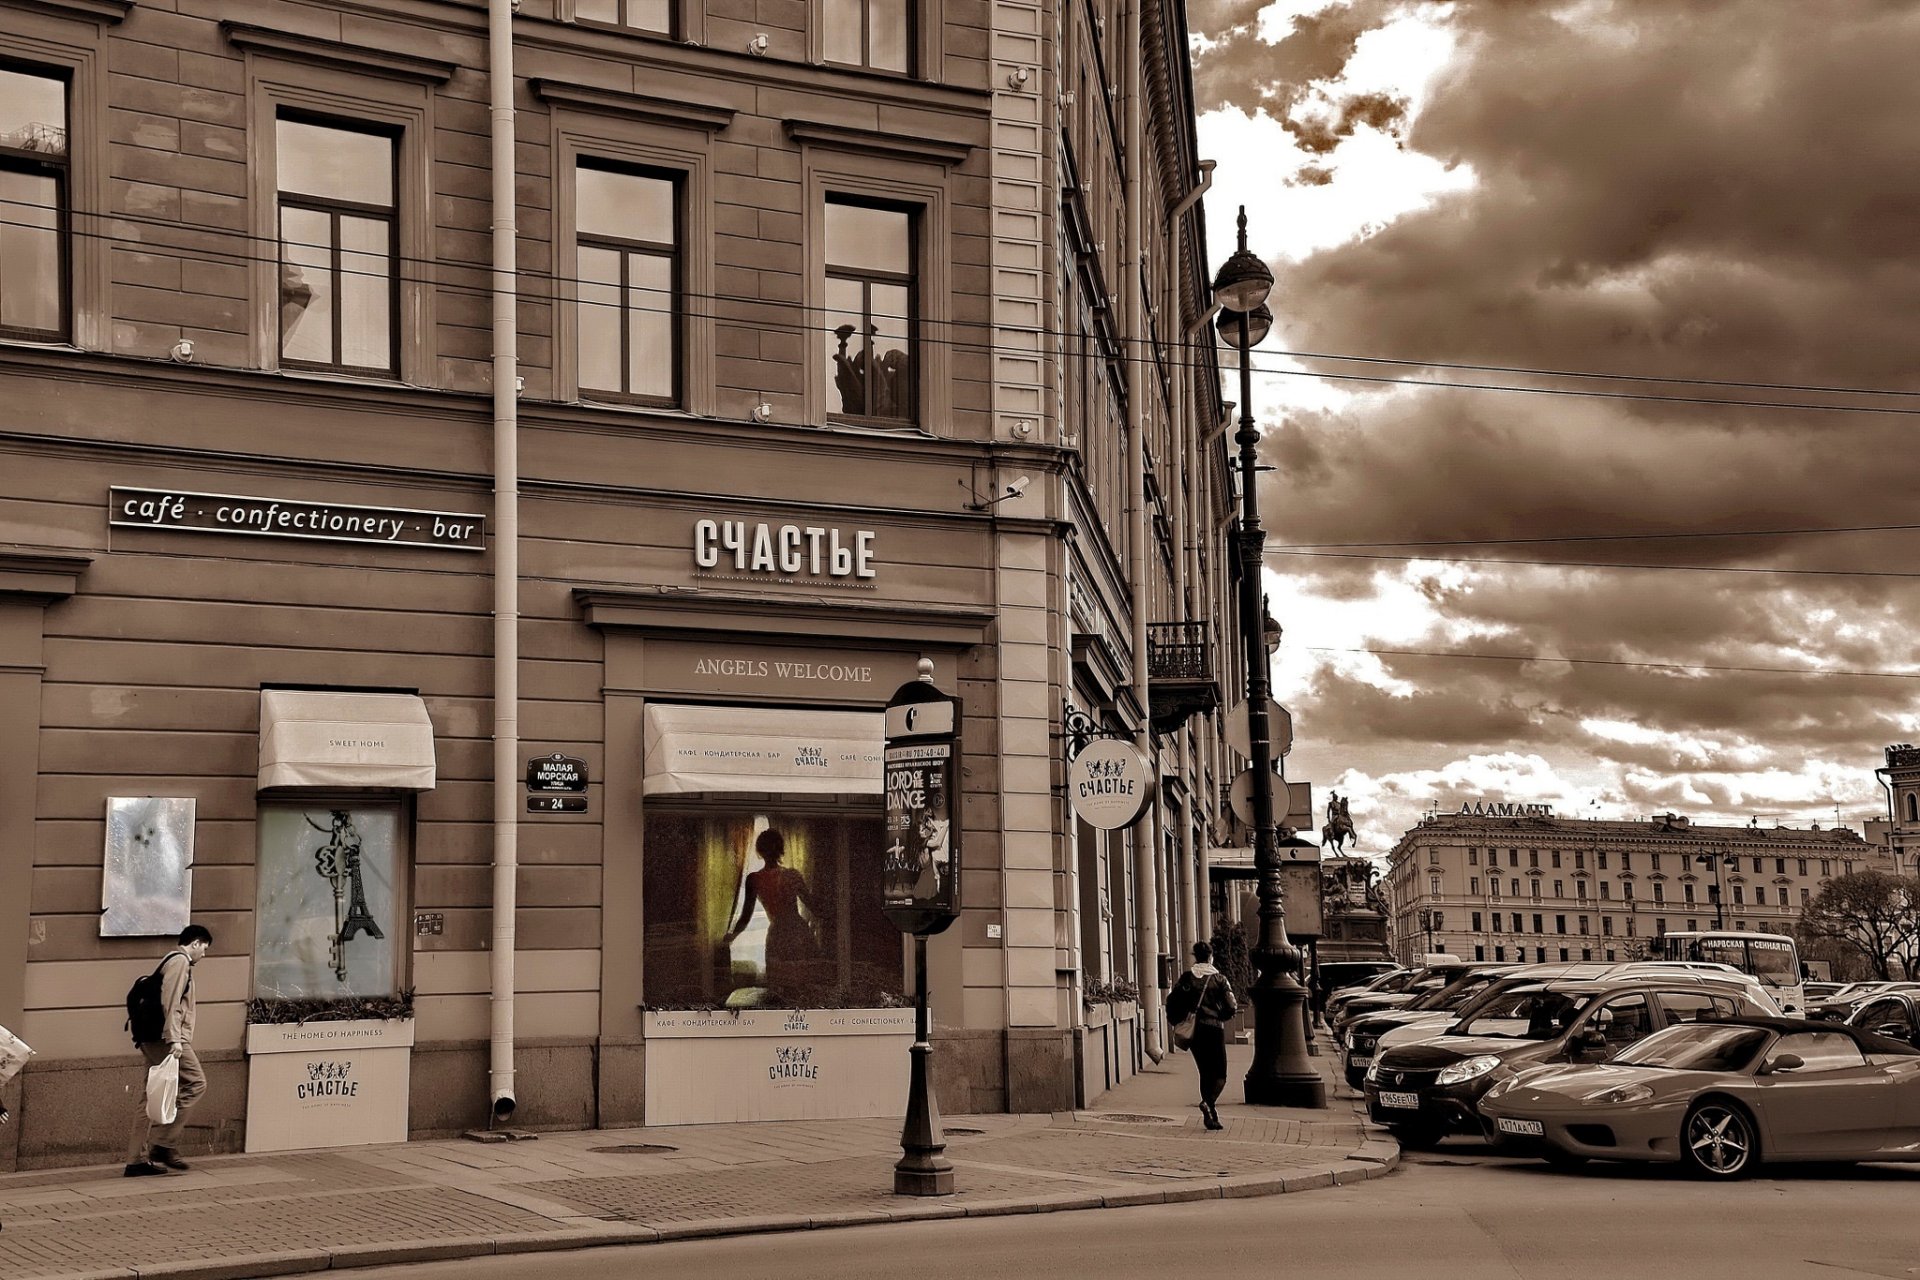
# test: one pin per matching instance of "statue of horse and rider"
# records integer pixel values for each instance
(1338, 830)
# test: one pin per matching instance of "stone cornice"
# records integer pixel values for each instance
(875, 142)
(338, 53)
(800, 618)
(633, 106)
(109, 11)
(39, 575)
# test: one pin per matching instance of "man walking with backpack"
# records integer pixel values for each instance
(160, 1011)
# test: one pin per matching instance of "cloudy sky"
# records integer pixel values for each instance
(1698, 202)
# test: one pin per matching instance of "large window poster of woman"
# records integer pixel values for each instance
(752, 907)
(325, 921)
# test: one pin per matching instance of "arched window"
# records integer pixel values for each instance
(1913, 807)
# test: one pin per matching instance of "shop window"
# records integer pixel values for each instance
(747, 905)
(638, 15)
(628, 261)
(330, 918)
(33, 204)
(338, 227)
(870, 312)
(875, 34)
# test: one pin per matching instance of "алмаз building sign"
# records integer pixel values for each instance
(1503, 809)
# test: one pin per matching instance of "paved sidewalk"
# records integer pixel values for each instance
(262, 1215)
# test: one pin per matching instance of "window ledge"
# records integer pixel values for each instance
(91, 10)
(636, 106)
(338, 53)
(875, 142)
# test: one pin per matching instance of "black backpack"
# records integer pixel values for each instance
(146, 1010)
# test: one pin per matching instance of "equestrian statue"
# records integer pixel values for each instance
(1338, 829)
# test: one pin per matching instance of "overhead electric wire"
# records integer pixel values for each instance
(1597, 564)
(1149, 359)
(1608, 662)
(1601, 537)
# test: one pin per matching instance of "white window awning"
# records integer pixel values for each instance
(691, 749)
(315, 738)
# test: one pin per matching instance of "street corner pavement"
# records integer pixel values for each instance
(1141, 1142)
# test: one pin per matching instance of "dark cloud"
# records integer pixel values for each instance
(1712, 192)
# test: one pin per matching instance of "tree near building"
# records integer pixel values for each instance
(1872, 914)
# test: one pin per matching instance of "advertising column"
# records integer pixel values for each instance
(920, 891)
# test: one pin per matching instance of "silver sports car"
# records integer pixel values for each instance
(1721, 1096)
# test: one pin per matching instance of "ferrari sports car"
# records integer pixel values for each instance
(1720, 1097)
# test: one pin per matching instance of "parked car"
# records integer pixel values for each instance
(1429, 979)
(1415, 1028)
(1398, 980)
(1818, 991)
(1423, 1092)
(1338, 975)
(1720, 1097)
(1894, 1014)
(1443, 1004)
(1840, 1005)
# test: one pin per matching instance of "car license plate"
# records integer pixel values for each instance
(1531, 1128)
(1410, 1101)
(1359, 1059)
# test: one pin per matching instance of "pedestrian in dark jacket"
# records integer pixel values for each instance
(155, 1149)
(1204, 992)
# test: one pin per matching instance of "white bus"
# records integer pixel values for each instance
(1770, 957)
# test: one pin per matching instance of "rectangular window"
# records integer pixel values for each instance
(1500, 951)
(33, 205)
(870, 313)
(1687, 890)
(1556, 857)
(1539, 923)
(1580, 889)
(1495, 884)
(1740, 895)
(1533, 857)
(1473, 857)
(639, 15)
(1626, 862)
(1800, 865)
(1559, 889)
(1583, 925)
(1476, 922)
(1626, 890)
(875, 34)
(1826, 867)
(1433, 886)
(1759, 894)
(1516, 888)
(1659, 924)
(338, 226)
(1600, 860)
(329, 916)
(629, 291)
(783, 902)
(1659, 892)
(1779, 866)
(1559, 924)
(1606, 890)
(1656, 862)
(1631, 920)
(1606, 926)
(1805, 896)
(1473, 886)
(1517, 927)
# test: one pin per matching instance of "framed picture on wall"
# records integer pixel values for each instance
(146, 882)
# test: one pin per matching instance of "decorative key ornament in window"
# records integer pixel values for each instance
(338, 862)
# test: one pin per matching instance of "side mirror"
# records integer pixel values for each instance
(1784, 1062)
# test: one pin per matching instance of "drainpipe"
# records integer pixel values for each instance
(506, 560)
(1146, 832)
(1193, 895)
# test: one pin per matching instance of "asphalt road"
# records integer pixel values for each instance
(1452, 1212)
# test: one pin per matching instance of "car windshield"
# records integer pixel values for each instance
(1525, 1015)
(1696, 1046)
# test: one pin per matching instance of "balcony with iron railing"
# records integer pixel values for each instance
(1181, 681)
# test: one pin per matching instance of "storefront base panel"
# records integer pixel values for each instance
(623, 1083)
(970, 1072)
(553, 1086)
(1039, 1070)
(80, 1111)
(1106, 1051)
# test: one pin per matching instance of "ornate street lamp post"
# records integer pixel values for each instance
(1281, 1075)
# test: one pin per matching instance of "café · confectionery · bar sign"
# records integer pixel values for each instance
(178, 509)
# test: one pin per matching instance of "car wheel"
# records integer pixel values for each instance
(1717, 1140)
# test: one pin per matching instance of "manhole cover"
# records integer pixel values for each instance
(1125, 1117)
(961, 1129)
(633, 1149)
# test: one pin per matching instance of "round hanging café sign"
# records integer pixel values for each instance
(1110, 784)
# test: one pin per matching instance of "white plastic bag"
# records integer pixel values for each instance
(163, 1090)
(13, 1055)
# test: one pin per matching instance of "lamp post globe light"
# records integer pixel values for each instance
(1281, 1075)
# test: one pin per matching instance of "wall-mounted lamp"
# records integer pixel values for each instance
(763, 412)
(1015, 487)
(1022, 429)
(1018, 77)
(758, 45)
(182, 352)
